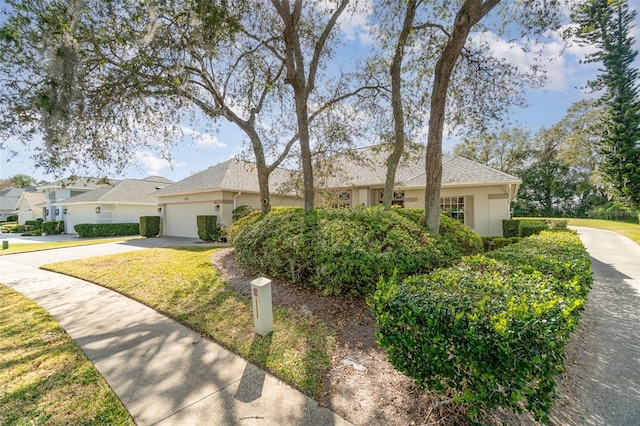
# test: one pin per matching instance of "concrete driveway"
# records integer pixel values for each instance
(602, 384)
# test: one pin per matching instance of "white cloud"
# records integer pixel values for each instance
(154, 165)
(203, 140)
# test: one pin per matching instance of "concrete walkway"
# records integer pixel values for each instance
(604, 374)
(163, 372)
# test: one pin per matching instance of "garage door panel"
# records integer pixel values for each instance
(181, 218)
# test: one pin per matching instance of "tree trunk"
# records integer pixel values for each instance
(469, 14)
(396, 105)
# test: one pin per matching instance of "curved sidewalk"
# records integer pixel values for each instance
(163, 372)
(604, 373)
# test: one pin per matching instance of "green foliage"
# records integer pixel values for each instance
(343, 251)
(510, 228)
(491, 330)
(206, 227)
(239, 224)
(12, 218)
(240, 212)
(531, 227)
(106, 229)
(52, 227)
(557, 223)
(149, 226)
(37, 224)
(615, 210)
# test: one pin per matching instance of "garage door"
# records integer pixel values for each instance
(181, 218)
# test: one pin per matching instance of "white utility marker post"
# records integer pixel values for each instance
(261, 302)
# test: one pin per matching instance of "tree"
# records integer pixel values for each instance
(507, 149)
(23, 181)
(607, 24)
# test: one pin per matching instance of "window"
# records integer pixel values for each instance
(343, 199)
(397, 200)
(453, 207)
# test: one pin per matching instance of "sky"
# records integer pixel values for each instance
(196, 149)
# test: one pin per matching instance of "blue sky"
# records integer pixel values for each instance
(197, 150)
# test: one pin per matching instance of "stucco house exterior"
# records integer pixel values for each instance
(119, 202)
(216, 191)
(56, 192)
(28, 207)
(8, 201)
(477, 195)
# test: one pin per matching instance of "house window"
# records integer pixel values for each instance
(397, 200)
(453, 207)
(343, 199)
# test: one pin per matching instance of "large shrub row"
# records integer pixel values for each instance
(491, 331)
(106, 229)
(52, 226)
(522, 227)
(345, 251)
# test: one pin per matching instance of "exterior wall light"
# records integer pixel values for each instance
(159, 209)
(97, 210)
(217, 207)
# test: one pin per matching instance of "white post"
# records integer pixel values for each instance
(261, 303)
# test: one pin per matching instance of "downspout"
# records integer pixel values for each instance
(235, 198)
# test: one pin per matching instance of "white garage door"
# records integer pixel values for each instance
(181, 218)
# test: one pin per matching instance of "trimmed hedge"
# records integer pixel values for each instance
(206, 227)
(510, 228)
(149, 226)
(37, 224)
(531, 227)
(106, 229)
(240, 212)
(52, 227)
(492, 330)
(342, 251)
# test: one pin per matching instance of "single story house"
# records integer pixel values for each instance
(119, 202)
(9, 200)
(477, 195)
(217, 191)
(28, 207)
(58, 191)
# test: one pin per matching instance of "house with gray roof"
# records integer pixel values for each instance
(117, 202)
(217, 191)
(29, 206)
(472, 193)
(8, 201)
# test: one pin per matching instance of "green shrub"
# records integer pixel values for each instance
(557, 223)
(52, 227)
(206, 227)
(37, 224)
(240, 212)
(94, 230)
(12, 218)
(342, 251)
(149, 226)
(510, 228)
(239, 224)
(531, 227)
(489, 332)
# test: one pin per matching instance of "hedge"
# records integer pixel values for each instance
(531, 227)
(510, 228)
(37, 224)
(206, 227)
(489, 331)
(240, 212)
(344, 251)
(149, 226)
(52, 227)
(106, 229)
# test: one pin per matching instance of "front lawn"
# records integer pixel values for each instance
(44, 377)
(29, 247)
(181, 283)
(629, 230)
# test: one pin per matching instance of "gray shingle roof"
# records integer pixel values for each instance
(79, 183)
(366, 167)
(231, 175)
(128, 191)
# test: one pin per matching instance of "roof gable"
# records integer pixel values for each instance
(128, 191)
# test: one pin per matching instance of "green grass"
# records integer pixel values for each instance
(44, 377)
(29, 247)
(182, 284)
(629, 230)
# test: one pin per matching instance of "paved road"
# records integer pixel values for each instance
(603, 368)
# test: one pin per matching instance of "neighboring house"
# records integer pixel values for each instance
(29, 206)
(477, 195)
(121, 202)
(9, 201)
(217, 191)
(56, 192)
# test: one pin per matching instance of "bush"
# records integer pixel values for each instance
(340, 251)
(206, 227)
(12, 218)
(52, 227)
(240, 212)
(490, 332)
(557, 223)
(106, 229)
(531, 227)
(241, 223)
(149, 226)
(37, 224)
(510, 228)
